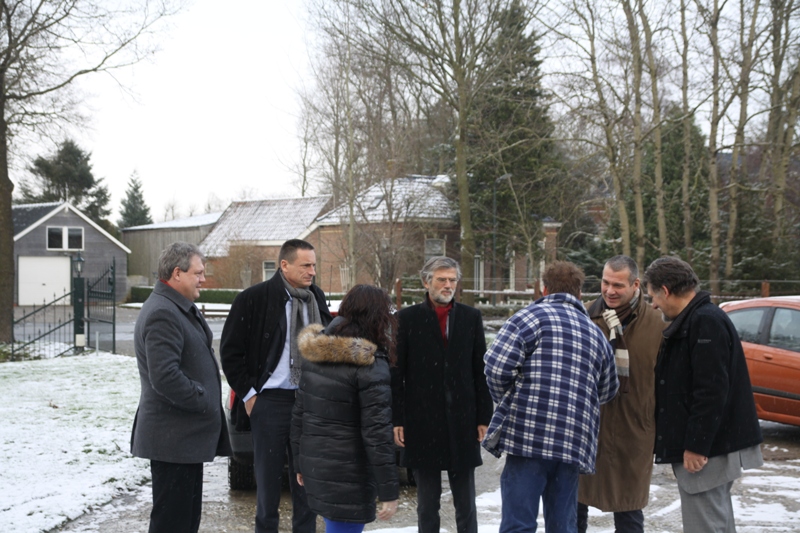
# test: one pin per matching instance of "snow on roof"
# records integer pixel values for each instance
(411, 197)
(262, 221)
(205, 219)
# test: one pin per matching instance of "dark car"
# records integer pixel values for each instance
(240, 466)
(770, 332)
(241, 475)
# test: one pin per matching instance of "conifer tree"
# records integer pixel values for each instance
(135, 212)
(67, 176)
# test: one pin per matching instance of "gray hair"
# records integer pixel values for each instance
(437, 263)
(177, 254)
(618, 263)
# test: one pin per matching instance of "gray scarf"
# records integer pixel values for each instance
(297, 323)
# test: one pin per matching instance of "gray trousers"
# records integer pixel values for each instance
(710, 511)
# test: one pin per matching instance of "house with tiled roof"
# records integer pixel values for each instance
(47, 238)
(399, 223)
(242, 248)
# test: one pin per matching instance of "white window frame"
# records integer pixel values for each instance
(441, 244)
(65, 238)
(265, 270)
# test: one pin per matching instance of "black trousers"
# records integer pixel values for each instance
(624, 522)
(177, 497)
(429, 494)
(271, 421)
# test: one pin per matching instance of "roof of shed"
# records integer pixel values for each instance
(262, 222)
(196, 221)
(31, 216)
(25, 215)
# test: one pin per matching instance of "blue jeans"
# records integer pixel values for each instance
(332, 526)
(524, 481)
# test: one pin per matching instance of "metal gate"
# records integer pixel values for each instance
(45, 331)
(101, 311)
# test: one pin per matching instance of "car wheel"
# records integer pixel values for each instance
(240, 476)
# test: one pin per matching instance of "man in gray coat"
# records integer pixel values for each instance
(179, 424)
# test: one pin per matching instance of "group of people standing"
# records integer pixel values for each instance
(579, 399)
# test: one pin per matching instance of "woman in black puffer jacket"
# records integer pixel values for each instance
(342, 437)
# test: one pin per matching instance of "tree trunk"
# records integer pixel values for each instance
(687, 140)
(787, 138)
(661, 216)
(464, 214)
(738, 172)
(610, 147)
(638, 141)
(6, 239)
(713, 171)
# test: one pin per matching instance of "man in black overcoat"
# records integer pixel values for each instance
(262, 365)
(441, 405)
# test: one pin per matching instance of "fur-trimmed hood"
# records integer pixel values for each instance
(317, 347)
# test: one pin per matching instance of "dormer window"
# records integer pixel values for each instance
(64, 238)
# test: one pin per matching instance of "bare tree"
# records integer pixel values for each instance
(214, 204)
(748, 33)
(445, 47)
(655, 80)
(46, 45)
(171, 209)
(686, 123)
(784, 99)
(594, 89)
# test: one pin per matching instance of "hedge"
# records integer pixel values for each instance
(207, 296)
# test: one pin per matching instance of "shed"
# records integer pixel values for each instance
(47, 237)
(146, 242)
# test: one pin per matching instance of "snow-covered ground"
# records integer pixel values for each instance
(64, 440)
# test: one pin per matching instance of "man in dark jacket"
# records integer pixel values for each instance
(261, 362)
(706, 423)
(627, 423)
(441, 405)
(179, 424)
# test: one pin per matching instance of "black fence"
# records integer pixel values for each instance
(101, 311)
(45, 331)
(83, 316)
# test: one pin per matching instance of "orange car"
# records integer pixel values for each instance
(770, 333)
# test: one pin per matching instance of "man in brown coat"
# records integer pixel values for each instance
(627, 424)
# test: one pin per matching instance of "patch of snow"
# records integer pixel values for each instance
(65, 437)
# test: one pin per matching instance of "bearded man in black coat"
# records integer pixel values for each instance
(441, 405)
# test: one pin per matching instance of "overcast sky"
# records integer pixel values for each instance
(214, 112)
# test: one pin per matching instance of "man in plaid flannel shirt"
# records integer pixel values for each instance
(548, 371)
